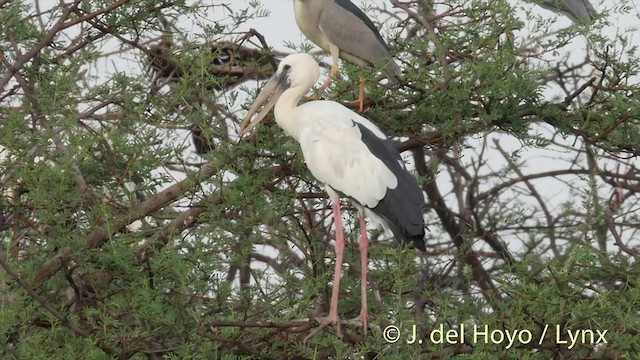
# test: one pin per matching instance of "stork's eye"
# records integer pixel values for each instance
(286, 67)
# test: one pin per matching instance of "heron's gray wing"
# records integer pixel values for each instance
(352, 8)
(348, 28)
(579, 11)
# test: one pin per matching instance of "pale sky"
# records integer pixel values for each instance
(280, 27)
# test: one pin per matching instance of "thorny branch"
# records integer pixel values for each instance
(473, 201)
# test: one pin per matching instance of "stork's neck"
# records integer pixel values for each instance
(285, 111)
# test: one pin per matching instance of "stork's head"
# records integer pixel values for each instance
(296, 73)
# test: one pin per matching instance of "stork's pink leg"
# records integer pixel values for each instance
(364, 249)
(332, 318)
(340, 244)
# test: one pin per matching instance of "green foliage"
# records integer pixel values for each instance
(118, 241)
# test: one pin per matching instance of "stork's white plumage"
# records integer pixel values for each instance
(350, 155)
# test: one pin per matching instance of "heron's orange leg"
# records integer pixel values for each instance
(361, 97)
(332, 318)
(332, 74)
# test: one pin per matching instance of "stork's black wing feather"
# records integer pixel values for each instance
(401, 207)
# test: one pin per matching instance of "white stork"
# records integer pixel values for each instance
(351, 156)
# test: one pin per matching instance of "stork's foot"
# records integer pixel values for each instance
(328, 321)
(323, 322)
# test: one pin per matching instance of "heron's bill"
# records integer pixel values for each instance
(271, 92)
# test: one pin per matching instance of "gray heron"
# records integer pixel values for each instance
(351, 156)
(340, 28)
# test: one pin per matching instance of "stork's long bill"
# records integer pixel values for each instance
(272, 90)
